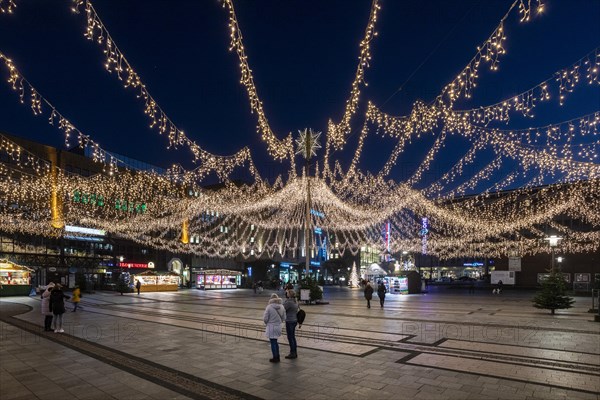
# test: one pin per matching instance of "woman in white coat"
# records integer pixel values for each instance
(46, 307)
(273, 318)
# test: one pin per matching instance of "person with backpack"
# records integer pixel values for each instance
(273, 317)
(57, 305)
(291, 321)
(381, 291)
(368, 293)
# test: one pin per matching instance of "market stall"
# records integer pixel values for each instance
(156, 281)
(15, 279)
(396, 284)
(218, 279)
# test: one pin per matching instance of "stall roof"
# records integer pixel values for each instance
(7, 264)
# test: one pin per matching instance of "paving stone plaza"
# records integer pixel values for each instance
(210, 344)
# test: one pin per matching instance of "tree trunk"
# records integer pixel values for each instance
(552, 311)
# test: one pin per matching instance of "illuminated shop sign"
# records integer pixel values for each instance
(473, 264)
(317, 213)
(133, 265)
(315, 263)
(99, 201)
(318, 230)
(87, 231)
(88, 198)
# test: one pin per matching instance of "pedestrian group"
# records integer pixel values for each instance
(53, 307)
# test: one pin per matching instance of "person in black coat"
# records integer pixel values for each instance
(381, 291)
(57, 306)
(368, 293)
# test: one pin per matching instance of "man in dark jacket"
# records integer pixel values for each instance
(368, 293)
(381, 290)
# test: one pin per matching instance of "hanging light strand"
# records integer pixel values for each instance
(7, 6)
(336, 133)
(279, 149)
(115, 61)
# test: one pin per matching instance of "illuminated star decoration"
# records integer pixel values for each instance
(308, 143)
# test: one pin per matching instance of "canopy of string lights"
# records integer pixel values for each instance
(472, 209)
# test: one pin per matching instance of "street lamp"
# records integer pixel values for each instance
(553, 242)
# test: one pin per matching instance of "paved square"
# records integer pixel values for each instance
(197, 344)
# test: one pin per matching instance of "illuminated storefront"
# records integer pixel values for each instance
(288, 272)
(156, 281)
(218, 279)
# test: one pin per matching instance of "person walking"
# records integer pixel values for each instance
(76, 298)
(273, 317)
(57, 305)
(368, 293)
(291, 321)
(381, 291)
(138, 286)
(46, 312)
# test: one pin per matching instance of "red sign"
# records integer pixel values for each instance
(132, 265)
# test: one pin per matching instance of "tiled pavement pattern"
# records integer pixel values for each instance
(443, 345)
(33, 367)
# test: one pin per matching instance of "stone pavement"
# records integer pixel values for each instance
(196, 344)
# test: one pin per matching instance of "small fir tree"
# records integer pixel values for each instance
(315, 291)
(353, 276)
(553, 294)
(123, 284)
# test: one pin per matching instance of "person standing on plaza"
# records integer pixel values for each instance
(291, 321)
(138, 286)
(57, 305)
(76, 298)
(381, 291)
(46, 311)
(368, 293)
(273, 317)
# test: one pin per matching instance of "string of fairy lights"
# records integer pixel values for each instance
(337, 132)
(7, 6)
(115, 61)
(262, 219)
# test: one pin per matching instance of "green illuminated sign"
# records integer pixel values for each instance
(98, 201)
(86, 198)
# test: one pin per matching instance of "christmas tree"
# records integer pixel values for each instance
(552, 296)
(123, 283)
(353, 276)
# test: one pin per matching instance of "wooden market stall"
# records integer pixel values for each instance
(15, 280)
(218, 279)
(153, 281)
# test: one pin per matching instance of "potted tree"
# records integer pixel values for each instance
(553, 294)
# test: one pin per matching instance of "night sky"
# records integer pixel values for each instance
(303, 54)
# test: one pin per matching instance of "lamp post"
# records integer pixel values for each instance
(553, 242)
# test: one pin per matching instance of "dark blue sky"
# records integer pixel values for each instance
(303, 54)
